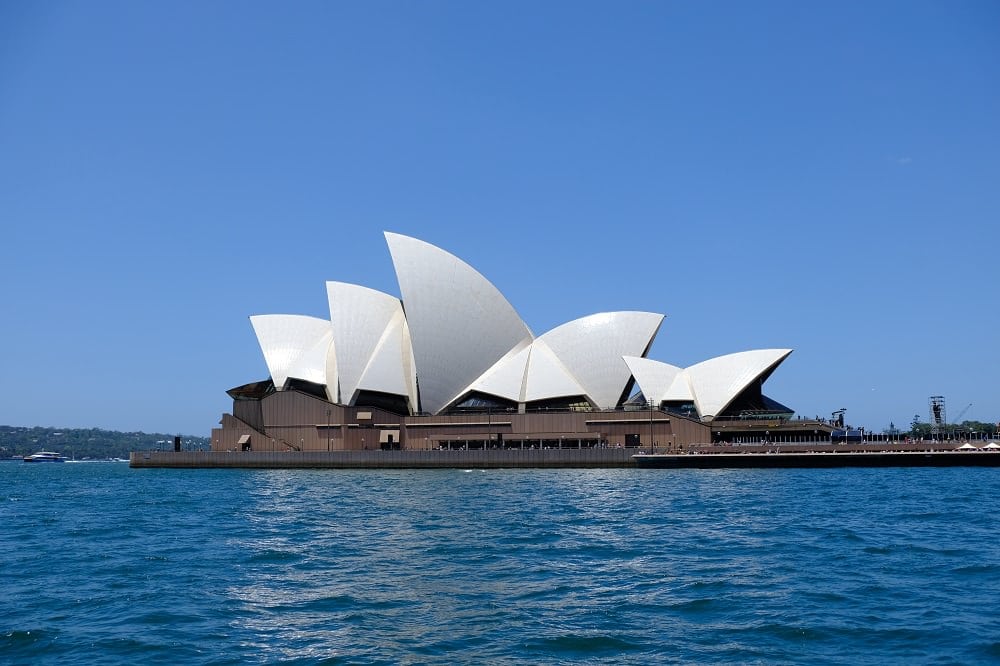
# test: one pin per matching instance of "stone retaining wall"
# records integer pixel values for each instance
(498, 458)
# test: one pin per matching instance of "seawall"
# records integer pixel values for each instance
(820, 460)
(705, 458)
(476, 459)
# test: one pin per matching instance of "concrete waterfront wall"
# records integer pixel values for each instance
(708, 456)
(476, 459)
(822, 460)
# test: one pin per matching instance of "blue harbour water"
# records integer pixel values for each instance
(101, 564)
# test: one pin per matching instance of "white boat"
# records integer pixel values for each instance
(44, 456)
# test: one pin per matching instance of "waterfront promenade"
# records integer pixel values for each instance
(474, 459)
(810, 455)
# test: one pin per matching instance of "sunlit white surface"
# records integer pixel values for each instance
(586, 360)
(680, 389)
(460, 324)
(532, 372)
(506, 378)
(591, 349)
(295, 346)
(717, 381)
(547, 377)
(389, 370)
(653, 377)
(361, 319)
(458, 334)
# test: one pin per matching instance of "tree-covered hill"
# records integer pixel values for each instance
(93, 443)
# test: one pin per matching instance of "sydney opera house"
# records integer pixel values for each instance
(451, 364)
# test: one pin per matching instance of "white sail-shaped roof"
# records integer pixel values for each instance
(460, 324)
(680, 389)
(654, 378)
(387, 370)
(360, 318)
(295, 346)
(457, 334)
(547, 377)
(591, 348)
(711, 384)
(717, 381)
(586, 360)
(506, 378)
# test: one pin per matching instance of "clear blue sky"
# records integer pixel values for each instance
(823, 176)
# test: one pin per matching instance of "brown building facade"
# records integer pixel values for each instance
(292, 420)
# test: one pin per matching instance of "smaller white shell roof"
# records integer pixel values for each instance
(529, 372)
(506, 378)
(295, 346)
(388, 370)
(360, 319)
(717, 381)
(547, 377)
(581, 357)
(680, 389)
(591, 349)
(711, 384)
(653, 377)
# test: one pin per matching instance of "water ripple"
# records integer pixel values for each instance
(102, 564)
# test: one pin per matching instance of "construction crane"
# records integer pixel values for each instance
(958, 419)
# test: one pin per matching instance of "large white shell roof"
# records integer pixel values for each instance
(454, 334)
(460, 324)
